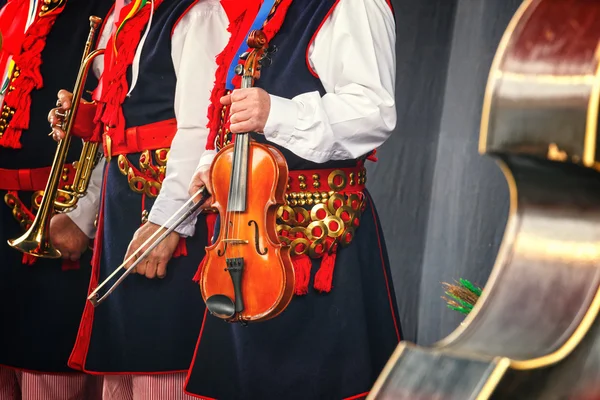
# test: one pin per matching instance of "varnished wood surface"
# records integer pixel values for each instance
(268, 280)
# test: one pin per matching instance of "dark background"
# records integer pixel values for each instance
(445, 213)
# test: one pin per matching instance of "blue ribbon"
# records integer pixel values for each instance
(258, 23)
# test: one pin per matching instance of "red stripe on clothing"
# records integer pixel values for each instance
(310, 68)
(182, 15)
(145, 387)
(19, 385)
(358, 396)
(387, 284)
(84, 334)
(187, 379)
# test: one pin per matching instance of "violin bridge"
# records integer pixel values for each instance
(235, 241)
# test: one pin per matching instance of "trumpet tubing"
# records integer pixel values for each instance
(81, 181)
(36, 241)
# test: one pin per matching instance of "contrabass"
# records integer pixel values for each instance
(36, 240)
(535, 332)
(247, 274)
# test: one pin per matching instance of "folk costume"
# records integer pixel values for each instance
(331, 84)
(41, 300)
(147, 117)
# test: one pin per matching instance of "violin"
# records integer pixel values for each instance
(535, 331)
(248, 274)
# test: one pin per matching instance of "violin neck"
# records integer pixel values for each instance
(238, 187)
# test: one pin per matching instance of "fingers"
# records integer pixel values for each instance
(241, 116)
(161, 268)
(236, 95)
(56, 120)
(64, 99)
(131, 249)
(226, 100)
(151, 267)
(245, 126)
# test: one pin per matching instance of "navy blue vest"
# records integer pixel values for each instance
(153, 98)
(289, 75)
(60, 64)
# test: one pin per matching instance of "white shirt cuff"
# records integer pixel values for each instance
(281, 123)
(206, 159)
(164, 208)
(84, 216)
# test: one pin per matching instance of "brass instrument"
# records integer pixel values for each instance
(36, 241)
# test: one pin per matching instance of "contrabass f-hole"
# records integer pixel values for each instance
(247, 274)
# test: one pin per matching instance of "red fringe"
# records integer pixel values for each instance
(196, 277)
(241, 18)
(68, 265)
(211, 220)
(28, 259)
(181, 250)
(372, 156)
(114, 77)
(28, 61)
(302, 266)
(83, 127)
(324, 276)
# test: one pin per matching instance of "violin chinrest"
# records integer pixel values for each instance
(220, 306)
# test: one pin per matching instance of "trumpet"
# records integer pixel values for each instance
(36, 240)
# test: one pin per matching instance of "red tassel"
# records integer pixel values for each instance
(241, 18)
(68, 265)
(28, 61)
(114, 78)
(302, 266)
(84, 126)
(196, 277)
(181, 250)
(372, 156)
(28, 259)
(324, 276)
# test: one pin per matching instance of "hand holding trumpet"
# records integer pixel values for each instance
(56, 116)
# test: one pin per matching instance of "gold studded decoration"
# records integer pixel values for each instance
(149, 176)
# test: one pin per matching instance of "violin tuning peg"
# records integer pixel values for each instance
(272, 49)
(244, 56)
(265, 62)
(239, 69)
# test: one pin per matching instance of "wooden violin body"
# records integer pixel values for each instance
(535, 331)
(248, 274)
(267, 281)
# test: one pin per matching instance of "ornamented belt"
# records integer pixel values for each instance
(31, 180)
(322, 212)
(153, 142)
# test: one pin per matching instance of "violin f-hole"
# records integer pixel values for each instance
(220, 252)
(256, 245)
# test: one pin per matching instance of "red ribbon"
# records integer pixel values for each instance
(114, 85)
(26, 49)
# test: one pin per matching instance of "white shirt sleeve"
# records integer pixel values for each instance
(197, 40)
(84, 215)
(354, 56)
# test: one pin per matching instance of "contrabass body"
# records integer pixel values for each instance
(248, 274)
(535, 332)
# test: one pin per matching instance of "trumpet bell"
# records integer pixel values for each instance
(35, 243)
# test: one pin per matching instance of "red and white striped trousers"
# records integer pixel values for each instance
(145, 387)
(20, 385)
